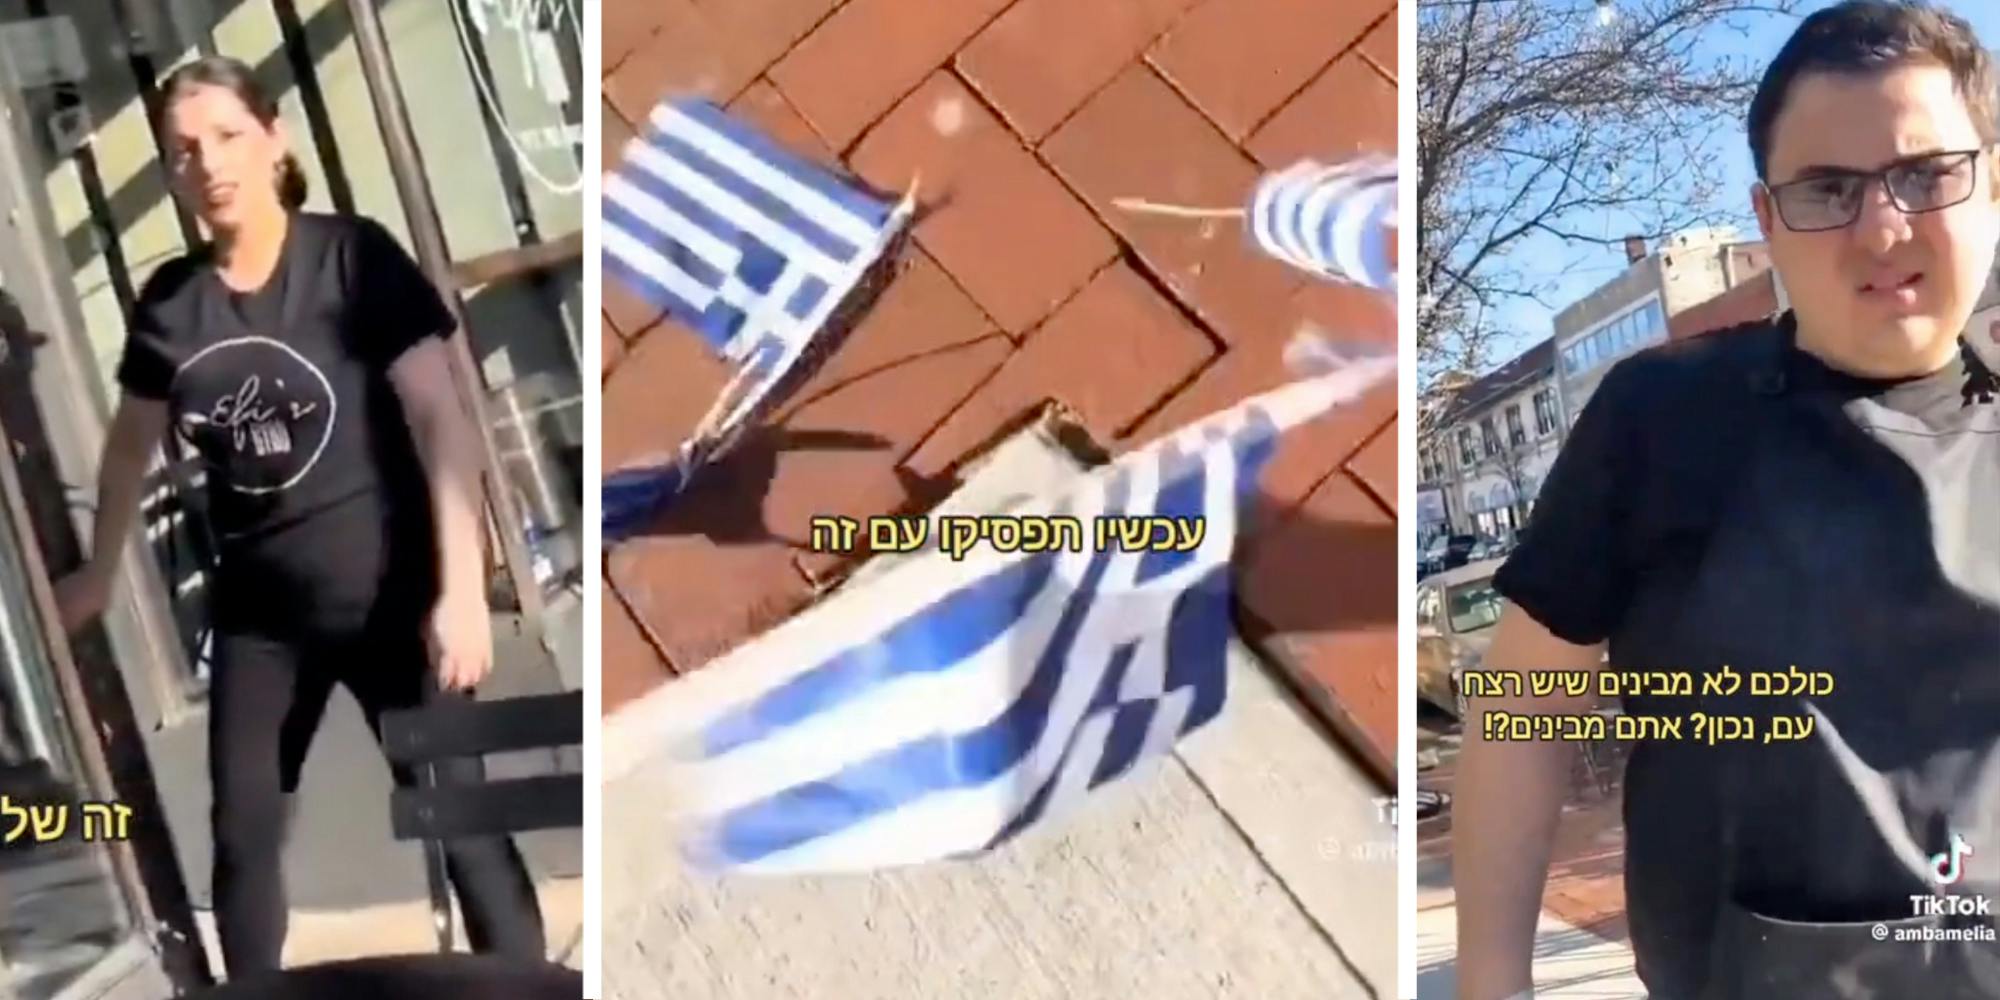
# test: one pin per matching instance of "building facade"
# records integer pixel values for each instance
(1755, 299)
(1487, 453)
(1634, 310)
(1483, 458)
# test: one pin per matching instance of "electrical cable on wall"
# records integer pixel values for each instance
(492, 105)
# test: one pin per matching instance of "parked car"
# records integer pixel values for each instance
(1456, 612)
(1449, 552)
(1458, 551)
(1430, 556)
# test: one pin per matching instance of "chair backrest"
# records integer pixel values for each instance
(447, 729)
(182, 540)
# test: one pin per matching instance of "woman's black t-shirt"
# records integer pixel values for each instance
(1731, 505)
(314, 485)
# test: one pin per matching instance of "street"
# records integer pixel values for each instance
(1580, 943)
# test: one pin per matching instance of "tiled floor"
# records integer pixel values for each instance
(1025, 119)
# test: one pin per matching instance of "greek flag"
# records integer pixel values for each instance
(1331, 220)
(995, 691)
(746, 244)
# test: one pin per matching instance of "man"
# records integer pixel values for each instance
(1820, 490)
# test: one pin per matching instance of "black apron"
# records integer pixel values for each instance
(1761, 869)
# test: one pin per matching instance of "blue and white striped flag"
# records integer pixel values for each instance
(989, 693)
(746, 244)
(1331, 220)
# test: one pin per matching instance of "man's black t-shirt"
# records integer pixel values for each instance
(1731, 502)
(315, 487)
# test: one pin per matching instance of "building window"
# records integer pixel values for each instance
(1635, 329)
(1488, 437)
(1545, 413)
(1466, 459)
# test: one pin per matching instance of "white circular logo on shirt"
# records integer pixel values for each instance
(257, 410)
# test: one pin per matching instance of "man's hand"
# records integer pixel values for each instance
(460, 640)
(82, 596)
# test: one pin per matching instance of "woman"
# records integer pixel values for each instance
(304, 358)
(1798, 517)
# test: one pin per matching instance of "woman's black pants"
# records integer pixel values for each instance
(265, 703)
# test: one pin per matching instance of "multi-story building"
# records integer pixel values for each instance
(1755, 299)
(1483, 459)
(1636, 309)
(1489, 450)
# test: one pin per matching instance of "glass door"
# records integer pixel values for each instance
(92, 903)
(74, 916)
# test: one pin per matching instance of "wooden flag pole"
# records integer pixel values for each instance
(1141, 206)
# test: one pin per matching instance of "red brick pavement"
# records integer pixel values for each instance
(1023, 285)
(1586, 882)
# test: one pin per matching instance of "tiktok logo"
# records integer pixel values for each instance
(1945, 868)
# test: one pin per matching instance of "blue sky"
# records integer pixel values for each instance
(1591, 266)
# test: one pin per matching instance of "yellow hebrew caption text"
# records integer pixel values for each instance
(958, 534)
(1700, 727)
(48, 822)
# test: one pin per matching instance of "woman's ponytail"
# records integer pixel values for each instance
(292, 184)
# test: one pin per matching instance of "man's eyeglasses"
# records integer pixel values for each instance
(1833, 200)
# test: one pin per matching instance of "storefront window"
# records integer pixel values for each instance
(495, 95)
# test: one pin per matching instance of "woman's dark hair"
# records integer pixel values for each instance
(232, 75)
(1871, 36)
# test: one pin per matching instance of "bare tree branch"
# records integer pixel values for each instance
(1535, 122)
(1512, 464)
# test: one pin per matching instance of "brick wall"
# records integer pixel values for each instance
(1751, 300)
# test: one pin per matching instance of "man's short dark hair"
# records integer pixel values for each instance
(1871, 36)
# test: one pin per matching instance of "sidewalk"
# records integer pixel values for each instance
(1570, 963)
(1580, 943)
(405, 929)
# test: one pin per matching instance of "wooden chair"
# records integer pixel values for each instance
(1599, 756)
(436, 811)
